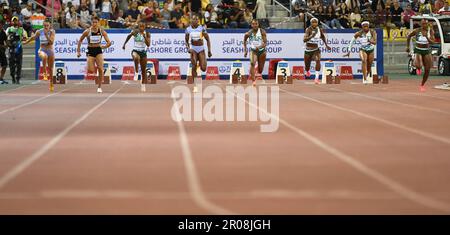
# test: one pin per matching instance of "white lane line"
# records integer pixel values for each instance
(14, 89)
(31, 102)
(428, 95)
(24, 164)
(193, 179)
(339, 194)
(359, 166)
(393, 124)
(390, 101)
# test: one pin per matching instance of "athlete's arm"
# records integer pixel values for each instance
(186, 38)
(246, 35)
(108, 42)
(322, 36)
(264, 38)
(50, 39)
(126, 40)
(431, 38)
(408, 39)
(356, 36)
(32, 37)
(373, 40)
(208, 43)
(308, 35)
(83, 36)
(147, 38)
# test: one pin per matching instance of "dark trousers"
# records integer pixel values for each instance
(15, 64)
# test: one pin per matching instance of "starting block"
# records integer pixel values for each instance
(372, 74)
(128, 73)
(41, 72)
(212, 73)
(106, 74)
(346, 72)
(151, 74)
(59, 73)
(298, 72)
(236, 73)
(189, 78)
(174, 73)
(328, 72)
(283, 73)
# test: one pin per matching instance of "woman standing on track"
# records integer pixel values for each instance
(195, 34)
(139, 52)
(258, 40)
(424, 36)
(313, 35)
(368, 39)
(94, 53)
(46, 37)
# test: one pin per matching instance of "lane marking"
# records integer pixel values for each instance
(359, 166)
(27, 162)
(193, 179)
(390, 123)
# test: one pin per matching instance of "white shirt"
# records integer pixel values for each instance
(25, 12)
(74, 2)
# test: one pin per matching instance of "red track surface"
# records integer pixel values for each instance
(340, 149)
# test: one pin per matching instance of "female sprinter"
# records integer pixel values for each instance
(368, 39)
(196, 33)
(139, 52)
(46, 37)
(258, 41)
(313, 35)
(424, 36)
(94, 53)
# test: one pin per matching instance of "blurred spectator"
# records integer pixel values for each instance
(406, 15)
(380, 14)
(37, 19)
(165, 16)
(148, 13)
(132, 15)
(396, 15)
(445, 7)
(248, 17)
(72, 18)
(438, 4)
(27, 12)
(415, 5)
(114, 9)
(185, 19)
(75, 3)
(331, 18)
(106, 10)
(211, 18)
(236, 17)
(320, 14)
(260, 9)
(425, 7)
(176, 15)
(195, 6)
(56, 7)
(355, 18)
(343, 16)
(170, 5)
(369, 15)
(85, 16)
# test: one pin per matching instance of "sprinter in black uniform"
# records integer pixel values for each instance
(94, 53)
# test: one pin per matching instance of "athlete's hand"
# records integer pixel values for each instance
(190, 51)
(209, 54)
(328, 48)
(78, 53)
(245, 54)
(407, 50)
(347, 54)
(123, 48)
